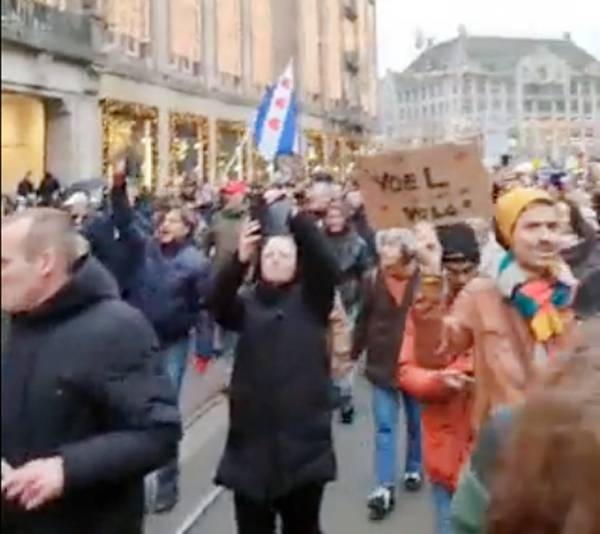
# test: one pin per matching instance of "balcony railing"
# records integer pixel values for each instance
(47, 28)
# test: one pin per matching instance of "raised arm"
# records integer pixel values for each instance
(225, 302)
(317, 263)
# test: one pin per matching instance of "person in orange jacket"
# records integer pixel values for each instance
(441, 386)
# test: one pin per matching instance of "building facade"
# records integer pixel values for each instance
(528, 97)
(173, 84)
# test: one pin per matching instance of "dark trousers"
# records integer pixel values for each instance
(299, 512)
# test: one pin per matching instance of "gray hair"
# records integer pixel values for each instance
(400, 237)
(50, 228)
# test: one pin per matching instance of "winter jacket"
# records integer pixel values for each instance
(379, 328)
(502, 343)
(169, 286)
(280, 414)
(353, 260)
(224, 235)
(172, 288)
(361, 225)
(445, 413)
(81, 379)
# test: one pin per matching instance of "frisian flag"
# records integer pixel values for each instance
(275, 126)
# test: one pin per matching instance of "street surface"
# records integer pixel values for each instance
(344, 509)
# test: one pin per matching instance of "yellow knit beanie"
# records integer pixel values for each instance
(510, 205)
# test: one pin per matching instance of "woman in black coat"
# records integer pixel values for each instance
(279, 451)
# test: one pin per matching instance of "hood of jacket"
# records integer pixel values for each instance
(89, 284)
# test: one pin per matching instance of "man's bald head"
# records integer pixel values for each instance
(39, 249)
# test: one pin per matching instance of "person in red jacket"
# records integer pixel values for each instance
(442, 387)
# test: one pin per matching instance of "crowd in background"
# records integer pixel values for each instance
(262, 271)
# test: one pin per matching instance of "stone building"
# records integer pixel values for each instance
(174, 83)
(531, 97)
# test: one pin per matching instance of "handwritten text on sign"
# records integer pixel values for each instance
(442, 184)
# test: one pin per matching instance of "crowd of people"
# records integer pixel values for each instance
(483, 332)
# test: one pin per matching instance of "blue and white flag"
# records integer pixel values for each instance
(276, 123)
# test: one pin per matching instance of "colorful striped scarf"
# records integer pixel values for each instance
(540, 302)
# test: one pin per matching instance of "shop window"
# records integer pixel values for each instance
(130, 131)
(188, 146)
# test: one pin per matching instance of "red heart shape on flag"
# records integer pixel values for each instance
(274, 124)
(280, 103)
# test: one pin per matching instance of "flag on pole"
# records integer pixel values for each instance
(276, 123)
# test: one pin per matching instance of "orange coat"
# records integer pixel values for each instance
(447, 434)
(481, 321)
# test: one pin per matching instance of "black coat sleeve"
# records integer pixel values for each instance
(318, 265)
(225, 302)
(138, 405)
(124, 220)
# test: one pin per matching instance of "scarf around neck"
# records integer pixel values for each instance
(542, 303)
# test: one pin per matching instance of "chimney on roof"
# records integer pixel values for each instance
(567, 36)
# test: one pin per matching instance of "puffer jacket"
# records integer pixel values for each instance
(446, 414)
(280, 435)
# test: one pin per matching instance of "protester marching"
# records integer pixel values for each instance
(464, 300)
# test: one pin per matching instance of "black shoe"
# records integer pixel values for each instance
(347, 415)
(380, 503)
(413, 481)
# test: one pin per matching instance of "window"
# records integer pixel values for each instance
(440, 108)
(510, 106)
(423, 92)
(528, 106)
(467, 85)
(455, 88)
(467, 106)
(185, 34)
(573, 87)
(481, 86)
(481, 105)
(407, 95)
(432, 110)
(545, 106)
(587, 107)
(497, 104)
(585, 88)
(424, 111)
(574, 106)
(559, 106)
(431, 91)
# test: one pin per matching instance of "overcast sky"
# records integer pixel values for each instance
(399, 20)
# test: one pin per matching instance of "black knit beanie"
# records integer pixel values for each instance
(459, 243)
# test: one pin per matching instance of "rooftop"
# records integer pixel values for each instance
(496, 54)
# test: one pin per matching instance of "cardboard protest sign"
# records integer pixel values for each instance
(442, 184)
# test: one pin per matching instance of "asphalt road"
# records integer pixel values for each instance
(344, 508)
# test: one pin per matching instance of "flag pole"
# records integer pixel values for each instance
(235, 156)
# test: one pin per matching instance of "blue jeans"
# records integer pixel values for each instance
(442, 497)
(175, 359)
(386, 405)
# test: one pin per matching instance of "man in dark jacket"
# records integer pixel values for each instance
(48, 190)
(86, 409)
(279, 452)
(25, 186)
